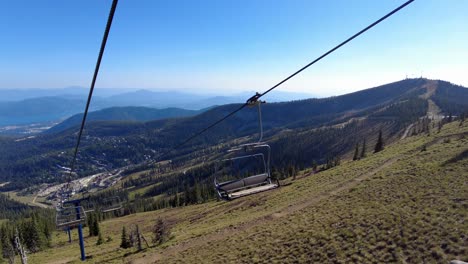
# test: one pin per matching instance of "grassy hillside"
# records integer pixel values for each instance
(406, 204)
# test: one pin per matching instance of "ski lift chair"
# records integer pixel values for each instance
(111, 204)
(252, 182)
(67, 217)
(85, 203)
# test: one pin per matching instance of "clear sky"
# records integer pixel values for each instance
(225, 46)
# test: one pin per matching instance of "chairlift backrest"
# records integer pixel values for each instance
(85, 203)
(70, 216)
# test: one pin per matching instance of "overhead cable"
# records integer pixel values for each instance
(93, 82)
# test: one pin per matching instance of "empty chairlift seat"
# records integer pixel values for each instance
(249, 184)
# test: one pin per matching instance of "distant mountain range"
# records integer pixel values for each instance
(298, 132)
(11, 95)
(22, 107)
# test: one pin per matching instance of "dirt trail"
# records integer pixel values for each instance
(408, 129)
(433, 111)
(431, 87)
(38, 204)
(226, 232)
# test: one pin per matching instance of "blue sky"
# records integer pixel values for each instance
(230, 46)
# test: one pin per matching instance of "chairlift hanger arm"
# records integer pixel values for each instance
(254, 99)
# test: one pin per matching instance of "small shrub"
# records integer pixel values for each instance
(100, 239)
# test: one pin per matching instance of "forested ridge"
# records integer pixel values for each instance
(129, 113)
(108, 145)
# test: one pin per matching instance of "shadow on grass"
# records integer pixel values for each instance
(120, 257)
(457, 158)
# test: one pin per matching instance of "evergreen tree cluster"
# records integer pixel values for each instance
(133, 238)
(34, 226)
(360, 154)
(11, 209)
(35, 233)
(402, 112)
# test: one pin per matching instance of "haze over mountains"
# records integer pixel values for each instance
(26, 106)
(299, 131)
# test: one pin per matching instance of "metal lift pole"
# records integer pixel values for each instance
(80, 235)
(80, 230)
(69, 235)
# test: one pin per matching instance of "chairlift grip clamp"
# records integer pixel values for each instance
(254, 100)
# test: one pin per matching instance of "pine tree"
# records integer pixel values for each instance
(176, 199)
(356, 152)
(379, 146)
(291, 171)
(187, 195)
(363, 150)
(124, 240)
(138, 237)
(95, 227)
(314, 165)
(197, 193)
(90, 223)
(47, 233)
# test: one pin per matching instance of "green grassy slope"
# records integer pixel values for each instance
(401, 205)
